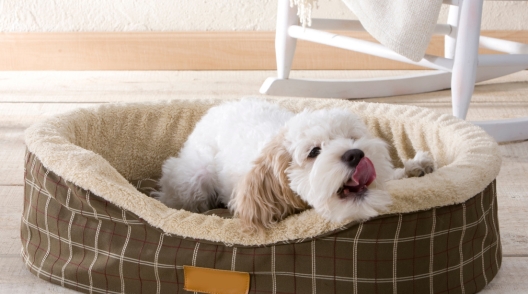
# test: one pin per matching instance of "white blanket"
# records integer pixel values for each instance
(404, 26)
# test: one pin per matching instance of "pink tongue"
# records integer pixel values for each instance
(364, 174)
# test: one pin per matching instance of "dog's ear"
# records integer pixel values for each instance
(264, 196)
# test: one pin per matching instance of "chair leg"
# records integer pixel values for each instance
(450, 40)
(466, 56)
(284, 44)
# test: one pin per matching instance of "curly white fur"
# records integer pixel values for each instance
(255, 158)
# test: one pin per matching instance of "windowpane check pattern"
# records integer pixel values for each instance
(76, 239)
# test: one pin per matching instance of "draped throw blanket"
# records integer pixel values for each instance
(404, 26)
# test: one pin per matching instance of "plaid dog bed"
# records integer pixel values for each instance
(83, 240)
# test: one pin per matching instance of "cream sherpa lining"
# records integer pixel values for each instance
(101, 149)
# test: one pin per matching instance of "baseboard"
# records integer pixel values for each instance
(186, 51)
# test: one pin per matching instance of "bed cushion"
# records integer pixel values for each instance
(89, 225)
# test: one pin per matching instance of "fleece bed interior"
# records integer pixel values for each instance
(105, 148)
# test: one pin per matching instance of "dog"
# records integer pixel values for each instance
(265, 163)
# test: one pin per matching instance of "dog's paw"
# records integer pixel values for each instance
(422, 164)
(156, 195)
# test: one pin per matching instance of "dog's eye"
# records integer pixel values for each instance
(315, 151)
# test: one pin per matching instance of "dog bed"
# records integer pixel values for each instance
(89, 225)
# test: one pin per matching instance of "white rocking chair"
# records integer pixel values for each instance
(459, 70)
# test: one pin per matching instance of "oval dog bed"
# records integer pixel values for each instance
(88, 226)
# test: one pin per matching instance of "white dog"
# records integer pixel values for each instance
(265, 163)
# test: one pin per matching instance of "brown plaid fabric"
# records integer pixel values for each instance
(78, 240)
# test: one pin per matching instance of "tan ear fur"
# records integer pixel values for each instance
(264, 196)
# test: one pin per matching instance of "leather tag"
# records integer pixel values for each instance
(214, 281)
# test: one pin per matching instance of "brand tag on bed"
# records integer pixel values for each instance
(206, 280)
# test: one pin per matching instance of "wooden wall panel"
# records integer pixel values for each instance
(186, 51)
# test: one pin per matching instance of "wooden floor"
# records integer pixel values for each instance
(27, 97)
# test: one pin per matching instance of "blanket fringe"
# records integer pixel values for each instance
(304, 10)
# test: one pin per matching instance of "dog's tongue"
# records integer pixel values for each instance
(364, 174)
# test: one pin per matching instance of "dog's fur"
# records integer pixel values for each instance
(258, 160)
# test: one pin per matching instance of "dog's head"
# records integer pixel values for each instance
(325, 159)
(337, 166)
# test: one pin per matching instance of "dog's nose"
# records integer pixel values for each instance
(352, 157)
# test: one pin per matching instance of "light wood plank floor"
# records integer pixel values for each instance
(27, 97)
